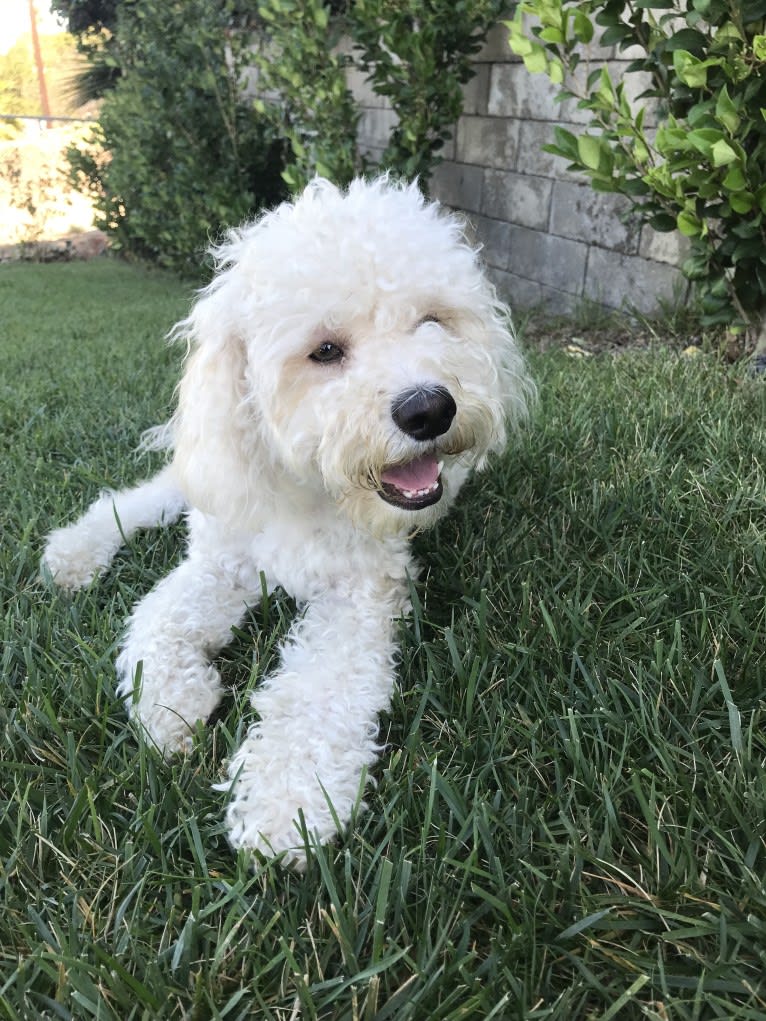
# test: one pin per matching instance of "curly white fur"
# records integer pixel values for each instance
(325, 317)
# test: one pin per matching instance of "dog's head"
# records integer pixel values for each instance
(349, 348)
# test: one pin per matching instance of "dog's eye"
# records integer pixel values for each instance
(327, 352)
(431, 318)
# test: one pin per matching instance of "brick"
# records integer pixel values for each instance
(375, 126)
(514, 92)
(487, 141)
(362, 90)
(556, 262)
(533, 135)
(494, 236)
(476, 91)
(517, 198)
(599, 218)
(523, 295)
(372, 153)
(671, 246)
(495, 47)
(630, 281)
(457, 185)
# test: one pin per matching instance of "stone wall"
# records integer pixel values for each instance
(549, 240)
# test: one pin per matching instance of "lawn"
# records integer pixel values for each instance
(570, 820)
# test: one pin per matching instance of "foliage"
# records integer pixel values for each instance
(305, 74)
(417, 54)
(93, 24)
(704, 169)
(36, 198)
(86, 16)
(178, 153)
(19, 91)
(569, 818)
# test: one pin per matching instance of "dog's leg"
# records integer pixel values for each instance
(74, 555)
(164, 666)
(318, 726)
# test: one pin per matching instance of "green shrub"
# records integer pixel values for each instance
(178, 153)
(417, 54)
(704, 169)
(300, 66)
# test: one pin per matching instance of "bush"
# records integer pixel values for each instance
(417, 54)
(311, 105)
(178, 153)
(703, 172)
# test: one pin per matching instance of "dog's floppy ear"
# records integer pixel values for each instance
(215, 428)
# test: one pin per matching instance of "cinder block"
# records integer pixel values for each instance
(494, 236)
(671, 246)
(533, 135)
(555, 262)
(457, 185)
(362, 90)
(523, 295)
(372, 154)
(476, 91)
(600, 218)
(488, 141)
(514, 92)
(630, 281)
(517, 198)
(495, 46)
(375, 126)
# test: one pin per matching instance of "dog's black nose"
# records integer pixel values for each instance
(424, 412)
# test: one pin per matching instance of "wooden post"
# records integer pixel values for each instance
(44, 103)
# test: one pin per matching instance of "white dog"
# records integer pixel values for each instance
(349, 365)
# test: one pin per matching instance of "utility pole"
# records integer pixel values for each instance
(44, 103)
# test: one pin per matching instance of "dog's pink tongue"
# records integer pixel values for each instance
(421, 473)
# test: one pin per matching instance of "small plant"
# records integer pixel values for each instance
(417, 54)
(305, 74)
(703, 171)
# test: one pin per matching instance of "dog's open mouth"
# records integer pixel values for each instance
(413, 485)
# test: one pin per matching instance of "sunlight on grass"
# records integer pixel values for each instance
(570, 819)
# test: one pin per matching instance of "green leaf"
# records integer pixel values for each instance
(734, 180)
(689, 224)
(704, 139)
(552, 35)
(536, 62)
(583, 26)
(688, 40)
(742, 201)
(726, 111)
(589, 151)
(692, 71)
(723, 154)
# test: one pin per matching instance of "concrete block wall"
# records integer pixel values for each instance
(549, 240)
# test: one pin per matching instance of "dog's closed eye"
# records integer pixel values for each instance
(430, 318)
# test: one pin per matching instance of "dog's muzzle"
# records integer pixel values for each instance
(422, 413)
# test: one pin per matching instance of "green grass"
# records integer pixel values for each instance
(570, 820)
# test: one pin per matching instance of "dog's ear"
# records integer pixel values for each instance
(215, 427)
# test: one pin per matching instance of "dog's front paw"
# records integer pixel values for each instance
(73, 556)
(167, 698)
(281, 792)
